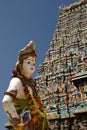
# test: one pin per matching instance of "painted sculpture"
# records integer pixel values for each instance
(21, 101)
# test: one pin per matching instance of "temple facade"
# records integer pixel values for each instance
(62, 77)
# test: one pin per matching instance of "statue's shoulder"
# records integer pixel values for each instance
(15, 83)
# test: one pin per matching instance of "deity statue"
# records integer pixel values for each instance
(21, 101)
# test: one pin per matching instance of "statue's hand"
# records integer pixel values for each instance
(15, 122)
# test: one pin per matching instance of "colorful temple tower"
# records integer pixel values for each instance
(62, 77)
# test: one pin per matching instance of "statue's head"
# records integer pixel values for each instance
(26, 60)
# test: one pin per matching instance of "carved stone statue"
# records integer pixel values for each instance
(21, 101)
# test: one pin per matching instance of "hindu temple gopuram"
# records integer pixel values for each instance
(62, 77)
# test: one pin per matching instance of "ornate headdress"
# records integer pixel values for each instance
(29, 49)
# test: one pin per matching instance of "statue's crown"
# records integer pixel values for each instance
(29, 49)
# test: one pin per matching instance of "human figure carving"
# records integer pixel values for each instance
(21, 101)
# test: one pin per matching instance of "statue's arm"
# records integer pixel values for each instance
(8, 99)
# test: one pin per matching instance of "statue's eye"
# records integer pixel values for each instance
(28, 62)
(34, 64)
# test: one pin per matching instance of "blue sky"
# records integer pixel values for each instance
(20, 22)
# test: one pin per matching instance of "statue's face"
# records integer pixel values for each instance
(29, 66)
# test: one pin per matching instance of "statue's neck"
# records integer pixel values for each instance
(27, 76)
